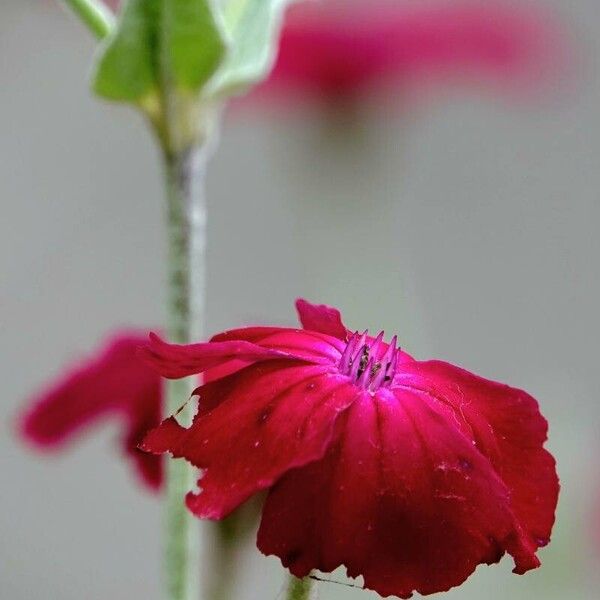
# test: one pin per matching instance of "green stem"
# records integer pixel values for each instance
(185, 178)
(185, 131)
(182, 558)
(222, 552)
(224, 542)
(300, 589)
(94, 14)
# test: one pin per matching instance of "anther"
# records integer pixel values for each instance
(348, 351)
(365, 377)
(361, 362)
(358, 361)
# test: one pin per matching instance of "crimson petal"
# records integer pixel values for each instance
(321, 318)
(248, 334)
(403, 498)
(296, 342)
(508, 428)
(175, 361)
(254, 426)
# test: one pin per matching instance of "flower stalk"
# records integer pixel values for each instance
(183, 128)
(300, 589)
(95, 15)
(185, 158)
(181, 556)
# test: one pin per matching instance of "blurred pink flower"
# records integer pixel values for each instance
(338, 48)
(335, 49)
(112, 383)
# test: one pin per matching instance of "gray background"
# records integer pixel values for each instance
(469, 228)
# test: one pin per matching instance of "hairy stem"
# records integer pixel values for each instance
(182, 560)
(300, 589)
(94, 14)
(186, 133)
(185, 177)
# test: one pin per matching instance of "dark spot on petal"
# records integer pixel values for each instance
(465, 464)
(301, 430)
(542, 541)
(264, 415)
(311, 386)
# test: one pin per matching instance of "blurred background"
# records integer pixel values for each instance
(460, 212)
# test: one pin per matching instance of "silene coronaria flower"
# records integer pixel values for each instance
(112, 383)
(339, 48)
(410, 473)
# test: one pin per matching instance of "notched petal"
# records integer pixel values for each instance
(252, 427)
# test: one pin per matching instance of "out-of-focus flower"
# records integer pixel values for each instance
(409, 473)
(338, 48)
(112, 383)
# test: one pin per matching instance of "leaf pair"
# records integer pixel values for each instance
(209, 48)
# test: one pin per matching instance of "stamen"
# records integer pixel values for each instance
(360, 361)
(379, 377)
(375, 369)
(365, 377)
(364, 361)
(376, 343)
(391, 370)
(387, 357)
(348, 351)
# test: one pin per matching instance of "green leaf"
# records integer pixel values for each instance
(126, 68)
(252, 27)
(195, 41)
(157, 40)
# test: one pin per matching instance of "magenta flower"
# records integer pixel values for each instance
(409, 473)
(337, 48)
(113, 383)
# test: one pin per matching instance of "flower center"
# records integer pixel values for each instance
(368, 362)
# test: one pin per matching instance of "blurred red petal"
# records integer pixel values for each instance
(336, 48)
(115, 383)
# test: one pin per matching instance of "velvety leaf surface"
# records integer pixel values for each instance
(195, 41)
(216, 48)
(181, 36)
(252, 26)
(126, 69)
